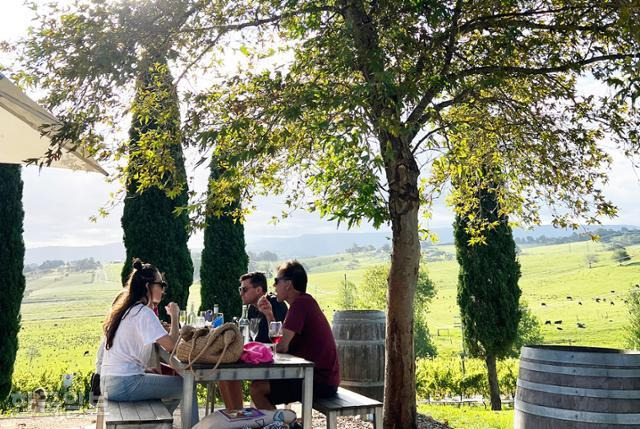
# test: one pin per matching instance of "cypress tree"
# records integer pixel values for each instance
(11, 265)
(488, 292)
(153, 231)
(224, 258)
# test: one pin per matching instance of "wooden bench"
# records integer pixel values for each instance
(348, 403)
(129, 415)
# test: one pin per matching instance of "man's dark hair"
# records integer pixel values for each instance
(294, 271)
(257, 279)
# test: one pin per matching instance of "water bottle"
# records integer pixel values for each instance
(243, 323)
(218, 318)
(191, 318)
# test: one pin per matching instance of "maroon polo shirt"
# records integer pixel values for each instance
(313, 340)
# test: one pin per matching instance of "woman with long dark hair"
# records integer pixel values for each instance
(131, 329)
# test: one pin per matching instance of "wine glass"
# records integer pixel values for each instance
(275, 333)
(183, 318)
(254, 327)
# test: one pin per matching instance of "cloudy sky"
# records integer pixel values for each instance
(58, 203)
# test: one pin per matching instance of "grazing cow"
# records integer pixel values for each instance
(579, 302)
(597, 299)
(604, 299)
(581, 325)
(626, 302)
(558, 328)
(570, 298)
(548, 322)
(544, 304)
(611, 303)
(613, 291)
(558, 322)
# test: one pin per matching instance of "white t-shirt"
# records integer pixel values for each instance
(133, 342)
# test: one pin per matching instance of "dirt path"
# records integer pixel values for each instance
(88, 421)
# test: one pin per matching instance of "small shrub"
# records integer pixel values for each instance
(372, 295)
(438, 378)
(632, 328)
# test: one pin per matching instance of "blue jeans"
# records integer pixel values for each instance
(141, 387)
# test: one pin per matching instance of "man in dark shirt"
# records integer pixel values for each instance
(306, 334)
(253, 287)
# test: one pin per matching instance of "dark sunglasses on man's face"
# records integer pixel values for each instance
(243, 289)
(277, 280)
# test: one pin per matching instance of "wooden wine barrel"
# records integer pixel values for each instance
(360, 336)
(577, 387)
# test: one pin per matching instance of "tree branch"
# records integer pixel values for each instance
(207, 48)
(521, 23)
(224, 28)
(426, 136)
(527, 71)
(436, 87)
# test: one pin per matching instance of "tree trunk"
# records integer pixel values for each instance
(402, 176)
(494, 389)
(400, 379)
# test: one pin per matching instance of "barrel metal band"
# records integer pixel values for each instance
(578, 391)
(577, 416)
(607, 359)
(589, 372)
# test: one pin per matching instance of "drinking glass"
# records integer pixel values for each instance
(183, 318)
(254, 327)
(275, 333)
(199, 322)
(202, 316)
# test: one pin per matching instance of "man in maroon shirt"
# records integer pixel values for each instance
(306, 334)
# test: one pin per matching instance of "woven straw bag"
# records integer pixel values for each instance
(220, 345)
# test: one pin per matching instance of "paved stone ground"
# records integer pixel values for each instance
(88, 421)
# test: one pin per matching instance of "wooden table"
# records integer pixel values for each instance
(285, 367)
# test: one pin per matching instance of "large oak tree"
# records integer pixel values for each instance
(341, 104)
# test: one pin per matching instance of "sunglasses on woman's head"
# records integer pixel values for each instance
(162, 284)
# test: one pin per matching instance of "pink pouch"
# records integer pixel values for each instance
(255, 352)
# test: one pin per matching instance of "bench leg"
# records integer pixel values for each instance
(377, 418)
(100, 416)
(211, 398)
(332, 420)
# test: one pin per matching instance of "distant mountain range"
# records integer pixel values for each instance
(303, 246)
(102, 253)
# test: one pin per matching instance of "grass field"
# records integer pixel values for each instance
(469, 417)
(62, 312)
(550, 274)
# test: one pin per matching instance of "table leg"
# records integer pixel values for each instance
(307, 397)
(377, 418)
(332, 420)
(188, 384)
